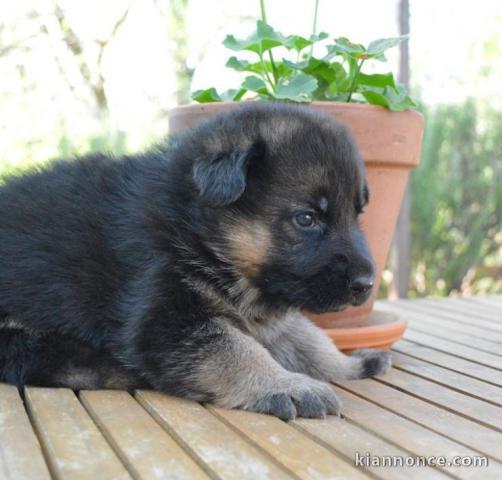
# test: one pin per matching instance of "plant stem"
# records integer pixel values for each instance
(314, 24)
(316, 9)
(271, 57)
(265, 76)
(262, 11)
(353, 84)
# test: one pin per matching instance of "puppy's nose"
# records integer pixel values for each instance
(361, 284)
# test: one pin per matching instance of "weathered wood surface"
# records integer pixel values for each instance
(443, 397)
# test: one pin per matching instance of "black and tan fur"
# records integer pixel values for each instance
(185, 269)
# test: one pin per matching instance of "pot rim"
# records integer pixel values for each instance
(386, 139)
(317, 103)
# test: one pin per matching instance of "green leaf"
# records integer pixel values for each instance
(254, 84)
(399, 100)
(297, 88)
(236, 64)
(380, 80)
(378, 47)
(244, 66)
(319, 37)
(233, 95)
(206, 96)
(343, 46)
(393, 98)
(348, 83)
(211, 95)
(257, 67)
(375, 98)
(263, 39)
(298, 42)
(297, 65)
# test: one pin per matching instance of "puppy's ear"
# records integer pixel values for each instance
(221, 180)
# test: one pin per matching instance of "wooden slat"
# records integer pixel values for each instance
(416, 319)
(494, 302)
(492, 312)
(453, 306)
(458, 428)
(298, 453)
(484, 307)
(224, 452)
(413, 438)
(454, 380)
(473, 408)
(459, 317)
(451, 362)
(142, 445)
(348, 439)
(20, 453)
(462, 351)
(74, 447)
(458, 337)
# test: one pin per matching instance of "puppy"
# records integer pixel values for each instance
(185, 269)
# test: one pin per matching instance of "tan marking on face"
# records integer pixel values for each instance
(249, 246)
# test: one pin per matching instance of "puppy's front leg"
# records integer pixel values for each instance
(218, 363)
(301, 346)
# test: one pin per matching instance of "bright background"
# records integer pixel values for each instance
(101, 75)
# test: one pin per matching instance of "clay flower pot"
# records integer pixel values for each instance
(390, 144)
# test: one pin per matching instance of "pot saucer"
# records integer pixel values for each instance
(378, 330)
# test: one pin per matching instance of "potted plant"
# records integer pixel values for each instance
(374, 106)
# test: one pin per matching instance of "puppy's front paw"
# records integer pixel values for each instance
(303, 397)
(373, 362)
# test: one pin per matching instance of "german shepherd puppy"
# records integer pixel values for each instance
(185, 269)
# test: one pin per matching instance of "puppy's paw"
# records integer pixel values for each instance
(304, 397)
(373, 362)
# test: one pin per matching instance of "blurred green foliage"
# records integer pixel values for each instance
(457, 202)
(113, 142)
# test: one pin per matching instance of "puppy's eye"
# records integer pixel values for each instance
(305, 219)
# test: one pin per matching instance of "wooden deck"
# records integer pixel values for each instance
(442, 398)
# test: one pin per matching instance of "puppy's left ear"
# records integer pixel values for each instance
(221, 180)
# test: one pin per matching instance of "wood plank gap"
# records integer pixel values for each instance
(490, 347)
(57, 415)
(385, 441)
(452, 326)
(250, 440)
(193, 453)
(348, 469)
(47, 456)
(457, 317)
(445, 349)
(439, 405)
(451, 387)
(396, 427)
(494, 302)
(111, 442)
(184, 445)
(456, 306)
(15, 419)
(478, 372)
(491, 309)
(163, 458)
(422, 425)
(425, 314)
(329, 447)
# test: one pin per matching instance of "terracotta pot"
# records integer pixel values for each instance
(389, 143)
